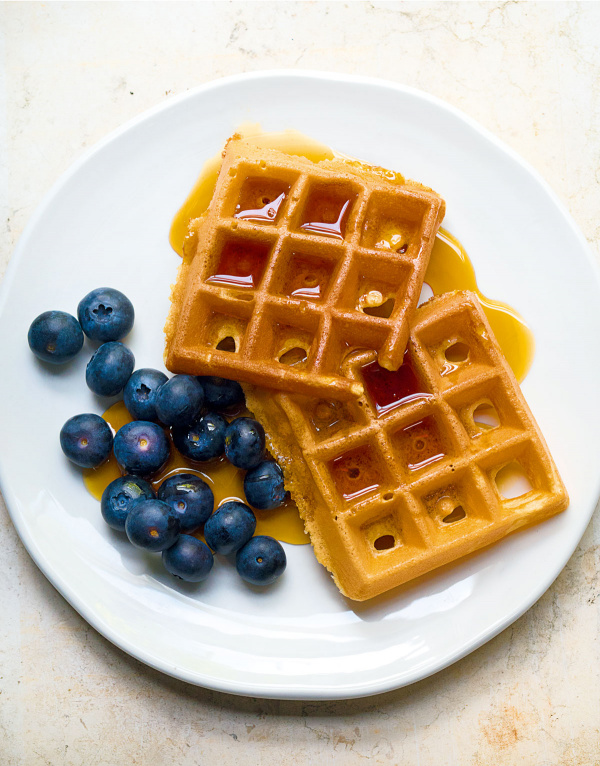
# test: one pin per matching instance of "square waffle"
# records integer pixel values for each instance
(409, 477)
(293, 264)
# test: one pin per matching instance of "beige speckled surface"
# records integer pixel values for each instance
(72, 72)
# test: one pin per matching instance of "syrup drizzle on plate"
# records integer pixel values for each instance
(225, 480)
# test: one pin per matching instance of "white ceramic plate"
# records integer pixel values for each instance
(106, 222)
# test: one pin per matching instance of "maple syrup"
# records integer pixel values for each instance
(311, 289)
(356, 473)
(450, 269)
(393, 238)
(241, 265)
(225, 480)
(388, 390)
(265, 214)
(419, 444)
(326, 218)
(261, 199)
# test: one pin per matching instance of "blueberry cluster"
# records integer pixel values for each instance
(105, 315)
(196, 410)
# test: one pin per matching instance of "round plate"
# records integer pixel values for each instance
(106, 222)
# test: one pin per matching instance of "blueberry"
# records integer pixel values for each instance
(221, 395)
(152, 525)
(109, 369)
(141, 448)
(189, 559)
(203, 441)
(230, 527)
(179, 401)
(140, 391)
(190, 497)
(86, 440)
(105, 314)
(244, 442)
(261, 561)
(119, 497)
(263, 486)
(55, 337)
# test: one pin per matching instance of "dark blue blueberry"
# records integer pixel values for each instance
(190, 497)
(245, 442)
(189, 559)
(105, 314)
(261, 561)
(230, 527)
(140, 391)
(109, 369)
(221, 395)
(203, 441)
(86, 440)
(118, 499)
(141, 448)
(152, 525)
(55, 337)
(179, 400)
(263, 486)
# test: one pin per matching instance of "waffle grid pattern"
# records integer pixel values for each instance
(265, 321)
(412, 521)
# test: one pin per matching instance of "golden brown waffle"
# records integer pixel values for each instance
(290, 267)
(408, 477)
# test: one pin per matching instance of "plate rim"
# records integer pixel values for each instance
(291, 691)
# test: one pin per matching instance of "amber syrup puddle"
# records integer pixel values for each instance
(240, 266)
(265, 214)
(328, 228)
(388, 390)
(449, 269)
(225, 480)
(355, 473)
(419, 444)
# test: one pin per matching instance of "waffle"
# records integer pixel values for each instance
(295, 263)
(408, 477)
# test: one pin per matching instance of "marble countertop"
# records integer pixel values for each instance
(71, 72)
